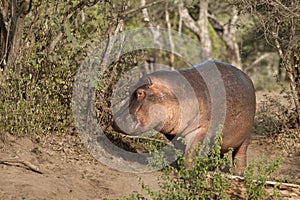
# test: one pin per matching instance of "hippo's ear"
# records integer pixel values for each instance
(149, 81)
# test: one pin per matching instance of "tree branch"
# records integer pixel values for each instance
(4, 10)
(215, 23)
(187, 19)
(54, 42)
(285, 8)
(260, 58)
(276, 41)
(24, 8)
(128, 12)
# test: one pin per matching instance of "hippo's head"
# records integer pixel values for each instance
(152, 105)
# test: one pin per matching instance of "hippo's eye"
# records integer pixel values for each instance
(140, 93)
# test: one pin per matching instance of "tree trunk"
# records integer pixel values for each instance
(293, 68)
(227, 33)
(199, 27)
(291, 60)
(293, 72)
(11, 30)
(206, 51)
(230, 39)
(3, 33)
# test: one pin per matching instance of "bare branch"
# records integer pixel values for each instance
(68, 16)
(128, 12)
(27, 165)
(218, 27)
(54, 42)
(4, 10)
(286, 8)
(24, 8)
(276, 40)
(180, 25)
(260, 58)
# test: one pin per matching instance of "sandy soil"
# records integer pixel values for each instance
(69, 172)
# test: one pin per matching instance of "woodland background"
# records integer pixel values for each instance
(43, 43)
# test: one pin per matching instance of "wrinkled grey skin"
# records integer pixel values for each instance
(178, 103)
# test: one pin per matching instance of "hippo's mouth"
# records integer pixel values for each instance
(129, 126)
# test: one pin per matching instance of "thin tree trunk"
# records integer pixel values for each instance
(16, 42)
(293, 67)
(156, 35)
(172, 56)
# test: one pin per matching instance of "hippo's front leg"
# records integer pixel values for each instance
(192, 140)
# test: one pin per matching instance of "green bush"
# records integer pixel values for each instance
(35, 92)
(256, 176)
(205, 180)
(195, 183)
(36, 98)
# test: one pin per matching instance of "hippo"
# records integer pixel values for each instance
(191, 103)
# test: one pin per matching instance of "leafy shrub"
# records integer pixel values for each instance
(256, 176)
(195, 183)
(200, 182)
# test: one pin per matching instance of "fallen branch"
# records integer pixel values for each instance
(26, 164)
(285, 189)
(271, 183)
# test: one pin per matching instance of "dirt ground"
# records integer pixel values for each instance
(70, 172)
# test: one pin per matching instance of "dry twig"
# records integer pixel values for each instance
(26, 164)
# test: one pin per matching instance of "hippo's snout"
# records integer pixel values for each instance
(115, 126)
(126, 125)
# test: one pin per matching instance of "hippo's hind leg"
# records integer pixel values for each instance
(239, 157)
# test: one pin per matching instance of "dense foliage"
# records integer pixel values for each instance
(36, 91)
